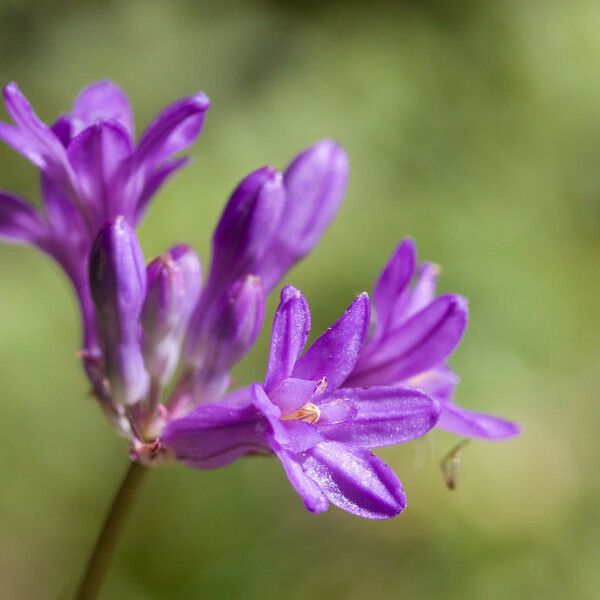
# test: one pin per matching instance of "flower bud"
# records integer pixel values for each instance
(315, 183)
(118, 285)
(247, 226)
(173, 282)
(228, 335)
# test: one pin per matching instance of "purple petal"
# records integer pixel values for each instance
(239, 397)
(438, 383)
(385, 416)
(391, 285)
(271, 412)
(102, 101)
(96, 154)
(309, 491)
(422, 292)
(247, 226)
(291, 394)
(215, 435)
(68, 226)
(174, 129)
(421, 343)
(315, 183)
(335, 353)
(63, 129)
(291, 327)
(302, 436)
(32, 138)
(20, 222)
(467, 423)
(118, 285)
(155, 182)
(355, 480)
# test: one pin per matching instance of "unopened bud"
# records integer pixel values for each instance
(118, 285)
(173, 282)
(229, 334)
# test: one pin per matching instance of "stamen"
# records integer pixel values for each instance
(309, 413)
(321, 387)
(450, 464)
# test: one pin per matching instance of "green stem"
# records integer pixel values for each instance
(99, 561)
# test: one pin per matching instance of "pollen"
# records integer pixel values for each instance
(309, 413)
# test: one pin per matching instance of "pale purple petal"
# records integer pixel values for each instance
(215, 435)
(239, 397)
(335, 410)
(421, 343)
(468, 423)
(289, 334)
(315, 184)
(385, 416)
(334, 354)
(291, 394)
(355, 480)
(309, 491)
(102, 101)
(271, 412)
(301, 436)
(438, 383)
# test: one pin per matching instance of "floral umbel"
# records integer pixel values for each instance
(377, 377)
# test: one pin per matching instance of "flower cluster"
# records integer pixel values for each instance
(374, 378)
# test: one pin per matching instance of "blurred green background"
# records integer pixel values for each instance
(472, 126)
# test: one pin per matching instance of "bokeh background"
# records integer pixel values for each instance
(473, 127)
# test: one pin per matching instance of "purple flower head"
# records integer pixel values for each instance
(320, 411)
(91, 172)
(118, 284)
(413, 335)
(173, 282)
(321, 432)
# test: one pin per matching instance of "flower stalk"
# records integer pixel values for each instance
(99, 561)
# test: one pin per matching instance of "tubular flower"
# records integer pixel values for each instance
(320, 432)
(413, 335)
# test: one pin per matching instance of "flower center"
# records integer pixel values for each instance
(309, 413)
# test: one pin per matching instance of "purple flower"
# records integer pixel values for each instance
(321, 432)
(91, 172)
(413, 335)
